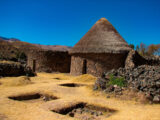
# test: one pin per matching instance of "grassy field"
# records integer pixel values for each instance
(49, 84)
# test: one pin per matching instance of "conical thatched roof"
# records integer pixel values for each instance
(101, 38)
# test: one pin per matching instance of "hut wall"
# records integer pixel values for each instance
(49, 61)
(76, 65)
(96, 64)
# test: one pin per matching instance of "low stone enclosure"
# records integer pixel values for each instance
(49, 61)
(84, 111)
(9, 68)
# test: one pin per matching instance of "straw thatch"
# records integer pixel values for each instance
(101, 38)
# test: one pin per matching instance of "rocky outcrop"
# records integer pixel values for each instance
(143, 78)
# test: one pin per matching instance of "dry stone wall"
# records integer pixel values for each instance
(134, 59)
(14, 69)
(49, 61)
(96, 64)
(144, 78)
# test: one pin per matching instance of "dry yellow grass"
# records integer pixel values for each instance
(86, 78)
(9, 62)
(49, 84)
(15, 81)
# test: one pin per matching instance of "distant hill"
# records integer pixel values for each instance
(10, 47)
(8, 39)
(53, 47)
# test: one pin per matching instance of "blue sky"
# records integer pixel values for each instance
(64, 22)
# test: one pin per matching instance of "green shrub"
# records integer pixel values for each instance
(119, 81)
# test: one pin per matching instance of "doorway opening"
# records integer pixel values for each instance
(84, 69)
(34, 66)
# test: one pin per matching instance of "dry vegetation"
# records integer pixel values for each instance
(15, 81)
(48, 84)
(10, 49)
(9, 62)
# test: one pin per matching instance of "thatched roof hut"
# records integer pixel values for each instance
(101, 38)
(101, 49)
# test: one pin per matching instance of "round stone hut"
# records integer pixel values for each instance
(101, 49)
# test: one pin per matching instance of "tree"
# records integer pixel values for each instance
(157, 52)
(143, 49)
(131, 46)
(152, 49)
(137, 48)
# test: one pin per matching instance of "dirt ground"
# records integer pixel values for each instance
(49, 85)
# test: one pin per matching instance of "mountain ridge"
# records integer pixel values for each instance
(11, 47)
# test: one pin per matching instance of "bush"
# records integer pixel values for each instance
(131, 46)
(21, 56)
(119, 81)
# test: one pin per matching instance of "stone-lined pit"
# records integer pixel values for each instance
(57, 78)
(3, 117)
(84, 111)
(71, 85)
(33, 98)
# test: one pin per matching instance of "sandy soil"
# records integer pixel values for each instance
(67, 96)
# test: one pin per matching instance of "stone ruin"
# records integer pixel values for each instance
(14, 69)
(49, 61)
(141, 75)
(134, 59)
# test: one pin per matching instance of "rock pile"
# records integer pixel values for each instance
(143, 78)
(102, 84)
(155, 60)
(86, 114)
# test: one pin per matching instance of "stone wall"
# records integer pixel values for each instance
(49, 61)
(76, 65)
(134, 59)
(10, 68)
(143, 79)
(96, 64)
(153, 61)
